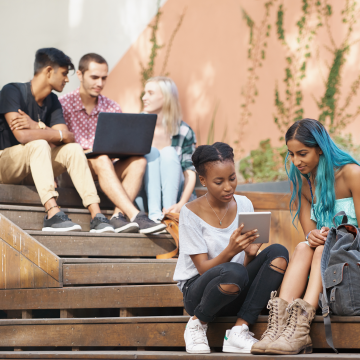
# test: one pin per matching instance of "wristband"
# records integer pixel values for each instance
(307, 236)
(61, 136)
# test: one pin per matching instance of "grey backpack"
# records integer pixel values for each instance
(340, 273)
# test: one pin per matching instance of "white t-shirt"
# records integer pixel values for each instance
(198, 237)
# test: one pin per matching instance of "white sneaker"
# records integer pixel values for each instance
(195, 337)
(239, 340)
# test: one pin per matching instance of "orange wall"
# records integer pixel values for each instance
(208, 61)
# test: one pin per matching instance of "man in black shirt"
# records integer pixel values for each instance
(36, 145)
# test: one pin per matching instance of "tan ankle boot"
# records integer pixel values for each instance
(295, 338)
(276, 323)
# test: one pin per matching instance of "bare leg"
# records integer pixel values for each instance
(49, 204)
(314, 287)
(131, 172)
(103, 168)
(299, 268)
(94, 209)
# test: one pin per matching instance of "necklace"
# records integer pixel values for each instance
(41, 124)
(220, 220)
(312, 196)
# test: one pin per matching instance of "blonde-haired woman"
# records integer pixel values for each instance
(170, 175)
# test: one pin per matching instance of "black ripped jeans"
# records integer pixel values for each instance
(256, 281)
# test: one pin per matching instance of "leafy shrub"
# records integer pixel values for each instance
(266, 163)
(345, 143)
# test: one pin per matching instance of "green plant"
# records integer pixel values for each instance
(333, 115)
(266, 163)
(148, 71)
(256, 54)
(289, 106)
(211, 132)
(345, 142)
(172, 37)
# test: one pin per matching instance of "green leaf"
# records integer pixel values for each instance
(279, 23)
(328, 10)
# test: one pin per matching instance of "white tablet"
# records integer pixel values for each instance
(256, 220)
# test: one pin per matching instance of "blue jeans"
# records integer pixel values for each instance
(163, 182)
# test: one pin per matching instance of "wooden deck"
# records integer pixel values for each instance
(109, 298)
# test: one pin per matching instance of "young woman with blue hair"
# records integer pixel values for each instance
(325, 180)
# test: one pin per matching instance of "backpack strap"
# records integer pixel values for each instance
(327, 321)
(171, 220)
(344, 219)
(323, 300)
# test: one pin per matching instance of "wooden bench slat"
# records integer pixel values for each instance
(116, 260)
(27, 195)
(261, 200)
(118, 273)
(150, 332)
(262, 319)
(126, 296)
(84, 244)
(32, 217)
(161, 355)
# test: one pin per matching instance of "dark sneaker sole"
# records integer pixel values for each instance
(153, 229)
(105, 229)
(71, 228)
(128, 228)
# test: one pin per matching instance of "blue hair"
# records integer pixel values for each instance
(313, 134)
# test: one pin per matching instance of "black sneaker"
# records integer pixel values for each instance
(100, 223)
(120, 224)
(59, 222)
(146, 225)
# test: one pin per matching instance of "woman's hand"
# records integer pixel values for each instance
(173, 208)
(252, 250)
(239, 242)
(317, 237)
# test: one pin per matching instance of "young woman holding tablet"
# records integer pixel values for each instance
(218, 270)
(325, 180)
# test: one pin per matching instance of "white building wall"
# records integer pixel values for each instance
(77, 27)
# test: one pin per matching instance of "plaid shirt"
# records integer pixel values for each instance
(185, 143)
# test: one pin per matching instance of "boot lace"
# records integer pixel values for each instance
(273, 316)
(292, 319)
(198, 334)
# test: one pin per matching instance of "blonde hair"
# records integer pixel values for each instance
(171, 109)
